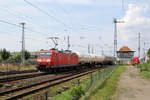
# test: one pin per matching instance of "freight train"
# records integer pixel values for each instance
(48, 60)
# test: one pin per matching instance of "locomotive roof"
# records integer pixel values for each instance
(56, 50)
(67, 52)
(45, 50)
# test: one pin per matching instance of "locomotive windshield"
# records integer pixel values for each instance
(45, 54)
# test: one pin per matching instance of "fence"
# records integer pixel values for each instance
(85, 84)
(100, 75)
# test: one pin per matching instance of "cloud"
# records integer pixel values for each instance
(135, 22)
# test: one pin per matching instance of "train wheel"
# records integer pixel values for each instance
(50, 70)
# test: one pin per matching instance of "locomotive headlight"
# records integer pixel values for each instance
(39, 60)
(48, 60)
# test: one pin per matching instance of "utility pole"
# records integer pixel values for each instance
(102, 50)
(92, 49)
(139, 48)
(115, 36)
(88, 48)
(144, 51)
(23, 44)
(144, 55)
(68, 42)
(122, 4)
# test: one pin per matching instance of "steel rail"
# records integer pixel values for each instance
(16, 72)
(20, 76)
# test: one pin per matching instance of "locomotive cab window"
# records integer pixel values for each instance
(45, 54)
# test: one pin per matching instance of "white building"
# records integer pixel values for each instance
(125, 55)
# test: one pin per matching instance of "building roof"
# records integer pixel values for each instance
(125, 49)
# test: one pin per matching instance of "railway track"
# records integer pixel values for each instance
(35, 87)
(9, 78)
(17, 72)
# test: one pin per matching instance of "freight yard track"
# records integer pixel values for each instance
(17, 72)
(35, 87)
(15, 77)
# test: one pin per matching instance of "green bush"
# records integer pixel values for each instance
(15, 60)
(148, 53)
(74, 93)
(77, 92)
(146, 74)
(30, 62)
(144, 69)
(0, 60)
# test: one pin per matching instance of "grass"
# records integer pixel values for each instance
(144, 70)
(105, 90)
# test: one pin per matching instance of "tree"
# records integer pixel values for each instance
(27, 55)
(17, 58)
(4, 54)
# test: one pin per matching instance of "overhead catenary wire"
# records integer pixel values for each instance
(16, 36)
(44, 12)
(51, 16)
(9, 11)
(31, 30)
(18, 14)
(61, 7)
(37, 31)
(9, 33)
(20, 27)
(6, 22)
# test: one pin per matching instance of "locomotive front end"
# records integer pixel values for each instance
(44, 60)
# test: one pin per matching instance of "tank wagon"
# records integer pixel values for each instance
(48, 60)
(92, 59)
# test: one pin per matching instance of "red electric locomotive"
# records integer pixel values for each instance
(50, 59)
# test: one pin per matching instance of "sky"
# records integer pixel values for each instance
(86, 22)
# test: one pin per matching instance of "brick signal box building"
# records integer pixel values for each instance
(125, 55)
